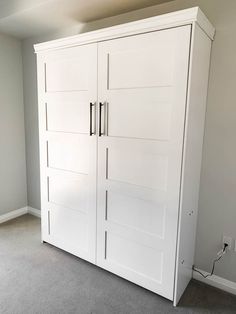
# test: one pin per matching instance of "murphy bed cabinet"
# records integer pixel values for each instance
(121, 118)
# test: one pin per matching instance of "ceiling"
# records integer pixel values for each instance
(26, 18)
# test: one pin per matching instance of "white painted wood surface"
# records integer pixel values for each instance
(194, 132)
(146, 173)
(140, 164)
(67, 85)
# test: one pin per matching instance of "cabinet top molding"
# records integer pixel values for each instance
(173, 19)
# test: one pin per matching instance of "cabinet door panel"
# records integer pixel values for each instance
(69, 228)
(142, 259)
(143, 81)
(69, 152)
(69, 190)
(132, 212)
(134, 64)
(137, 118)
(67, 85)
(68, 116)
(68, 74)
(137, 165)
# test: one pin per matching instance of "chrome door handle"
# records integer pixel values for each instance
(100, 133)
(91, 131)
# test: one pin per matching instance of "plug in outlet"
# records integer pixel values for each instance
(228, 241)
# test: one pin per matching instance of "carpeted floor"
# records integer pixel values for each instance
(38, 278)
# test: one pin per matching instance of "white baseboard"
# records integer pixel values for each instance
(34, 211)
(19, 212)
(13, 214)
(216, 281)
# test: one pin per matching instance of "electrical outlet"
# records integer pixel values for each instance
(228, 241)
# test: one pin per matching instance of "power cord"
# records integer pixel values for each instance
(220, 255)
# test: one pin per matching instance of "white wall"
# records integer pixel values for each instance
(217, 212)
(12, 134)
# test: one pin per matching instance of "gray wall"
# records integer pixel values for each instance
(217, 212)
(12, 134)
(31, 124)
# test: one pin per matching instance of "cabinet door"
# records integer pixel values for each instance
(142, 81)
(67, 85)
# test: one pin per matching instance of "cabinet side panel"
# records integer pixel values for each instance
(42, 145)
(192, 156)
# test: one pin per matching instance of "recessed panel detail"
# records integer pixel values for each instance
(68, 116)
(69, 192)
(144, 260)
(142, 215)
(69, 74)
(69, 153)
(69, 226)
(141, 67)
(139, 168)
(140, 115)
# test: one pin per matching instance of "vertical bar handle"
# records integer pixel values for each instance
(100, 118)
(91, 131)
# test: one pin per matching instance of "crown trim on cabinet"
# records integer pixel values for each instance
(169, 20)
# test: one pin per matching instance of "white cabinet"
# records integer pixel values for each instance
(121, 130)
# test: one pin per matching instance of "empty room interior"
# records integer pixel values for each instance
(117, 164)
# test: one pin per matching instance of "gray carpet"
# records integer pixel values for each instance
(38, 278)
